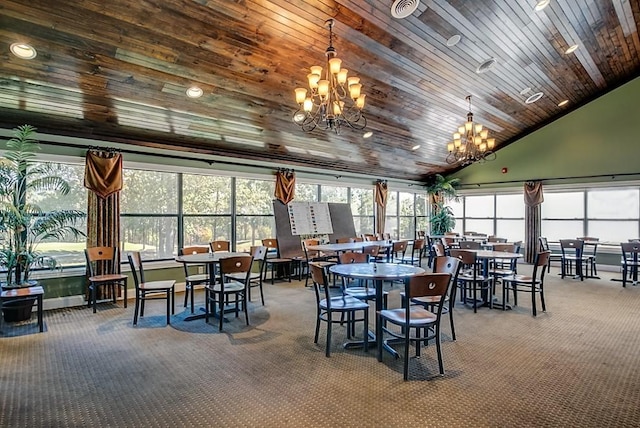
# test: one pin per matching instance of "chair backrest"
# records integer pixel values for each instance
(372, 250)
(320, 284)
(258, 252)
(101, 260)
(575, 245)
(137, 271)
(421, 234)
(448, 242)
(588, 238)
(306, 243)
(191, 250)
(428, 285)
(419, 244)
(343, 240)
(469, 245)
(540, 265)
(450, 265)
(467, 258)
(505, 248)
(544, 244)
(220, 246)
(369, 237)
(356, 239)
(630, 251)
(236, 264)
(399, 246)
(351, 257)
(438, 250)
(271, 243)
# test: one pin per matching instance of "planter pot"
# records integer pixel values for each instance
(20, 309)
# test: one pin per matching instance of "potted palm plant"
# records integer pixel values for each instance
(23, 225)
(441, 190)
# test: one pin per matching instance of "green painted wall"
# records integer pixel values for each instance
(77, 285)
(600, 138)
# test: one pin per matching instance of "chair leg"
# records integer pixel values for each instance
(261, 294)
(142, 300)
(327, 351)
(453, 328)
(406, 356)
(186, 294)
(439, 349)
(544, 308)
(365, 330)
(315, 337)
(125, 293)
(135, 311)
(246, 310)
(192, 297)
(533, 299)
(93, 297)
(220, 298)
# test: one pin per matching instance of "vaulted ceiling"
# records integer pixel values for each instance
(118, 71)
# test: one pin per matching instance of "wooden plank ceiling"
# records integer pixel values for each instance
(118, 71)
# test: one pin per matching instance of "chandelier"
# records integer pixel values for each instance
(332, 101)
(470, 144)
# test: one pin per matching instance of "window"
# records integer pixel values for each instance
(406, 215)
(207, 209)
(254, 219)
(306, 192)
(362, 210)
(334, 194)
(510, 217)
(149, 213)
(479, 214)
(391, 218)
(67, 251)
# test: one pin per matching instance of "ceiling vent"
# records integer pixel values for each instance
(486, 65)
(403, 8)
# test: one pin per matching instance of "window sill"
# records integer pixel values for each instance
(81, 271)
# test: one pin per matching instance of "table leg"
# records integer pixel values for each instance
(40, 309)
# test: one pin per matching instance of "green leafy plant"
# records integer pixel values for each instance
(442, 219)
(24, 225)
(442, 189)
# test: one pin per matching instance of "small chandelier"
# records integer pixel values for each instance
(470, 144)
(329, 104)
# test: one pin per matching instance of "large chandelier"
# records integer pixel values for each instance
(471, 143)
(332, 101)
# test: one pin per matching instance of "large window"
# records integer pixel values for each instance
(207, 209)
(67, 251)
(163, 211)
(362, 210)
(149, 213)
(254, 208)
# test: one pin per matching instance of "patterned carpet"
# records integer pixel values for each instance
(575, 365)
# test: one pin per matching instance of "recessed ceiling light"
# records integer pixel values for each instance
(541, 5)
(416, 147)
(563, 103)
(571, 49)
(194, 92)
(486, 65)
(23, 50)
(533, 98)
(453, 40)
(367, 134)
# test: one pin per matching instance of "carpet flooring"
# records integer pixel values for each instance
(577, 365)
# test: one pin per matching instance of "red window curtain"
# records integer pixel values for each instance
(381, 193)
(533, 199)
(103, 177)
(285, 185)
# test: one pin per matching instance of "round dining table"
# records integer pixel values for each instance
(378, 273)
(209, 259)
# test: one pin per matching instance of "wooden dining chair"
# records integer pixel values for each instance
(347, 307)
(150, 290)
(417, 324)
(218, 295)
(193, 280)
(103, 267)
(277, 261)
(533, 284)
